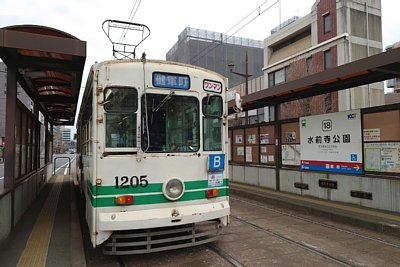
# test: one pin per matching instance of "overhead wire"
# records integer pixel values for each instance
(204, 51)
(130, 19)
(215, 45)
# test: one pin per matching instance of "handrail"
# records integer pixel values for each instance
(69, 164)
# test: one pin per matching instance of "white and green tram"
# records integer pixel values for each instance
(152, 143)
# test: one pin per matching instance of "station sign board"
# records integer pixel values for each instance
(332, 142)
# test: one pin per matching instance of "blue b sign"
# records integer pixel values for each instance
(216, 162)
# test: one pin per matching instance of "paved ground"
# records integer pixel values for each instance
(264, 235)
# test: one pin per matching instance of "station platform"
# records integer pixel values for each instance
(49, 233)
(378, 220)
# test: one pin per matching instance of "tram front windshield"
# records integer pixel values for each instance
(170, 123)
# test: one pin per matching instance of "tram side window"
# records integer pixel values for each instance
(212, 123)
(120, 104)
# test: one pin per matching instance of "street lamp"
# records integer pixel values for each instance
(246, 76)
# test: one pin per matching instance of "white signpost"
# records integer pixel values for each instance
(332, 142)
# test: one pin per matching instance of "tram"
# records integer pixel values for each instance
(152, 140)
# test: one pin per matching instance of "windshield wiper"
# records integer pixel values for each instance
(166, 98)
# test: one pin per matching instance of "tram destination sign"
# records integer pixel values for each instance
(332, 142)
(171, 80)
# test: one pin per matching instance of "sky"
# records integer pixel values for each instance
(252, 19)
(167, 19)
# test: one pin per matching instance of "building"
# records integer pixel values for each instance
(57, 146)
(394, 84)
(336, 46)
(334, 33)
(66, 135)
(214, 51)
(392, 98)
(61, 139)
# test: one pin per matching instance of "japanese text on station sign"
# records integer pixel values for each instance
(332, 142)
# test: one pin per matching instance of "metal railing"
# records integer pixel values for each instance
(69, 164)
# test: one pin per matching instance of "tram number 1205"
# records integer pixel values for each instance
(134, 181)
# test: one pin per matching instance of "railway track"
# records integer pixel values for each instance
(225, 255)
(122, 262)
(263, 237)
(326, 225)
(295, 242)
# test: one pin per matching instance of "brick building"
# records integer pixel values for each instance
(334, 33)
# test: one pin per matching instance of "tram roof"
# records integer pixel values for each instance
(368, 70)
(49, 65)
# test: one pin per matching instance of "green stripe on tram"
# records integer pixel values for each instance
(157, 198)
(151, 188)
(112, 190)
(154, 199)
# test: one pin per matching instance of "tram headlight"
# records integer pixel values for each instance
(173, 188)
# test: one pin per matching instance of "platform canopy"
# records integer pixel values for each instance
(368, 70)
(49, 65)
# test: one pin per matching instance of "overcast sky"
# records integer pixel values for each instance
(167, 19)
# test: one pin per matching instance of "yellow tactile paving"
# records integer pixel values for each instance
(35, 252)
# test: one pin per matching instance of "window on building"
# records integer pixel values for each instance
(271, 79)
(277, 77)
(327, 23)
(309, 65)
(327, 59)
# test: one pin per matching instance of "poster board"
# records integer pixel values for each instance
(381, 126)
(252, 145)
(267, 135)
(381, 136)
(382, 157)
(238, 140)
(290, 133)
(267, 154)
(251, 136)
(291, 154)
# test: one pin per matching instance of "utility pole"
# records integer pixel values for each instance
(246, 76)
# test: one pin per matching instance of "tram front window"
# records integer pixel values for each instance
(120, 105)
(171, 123)
(212, 123)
